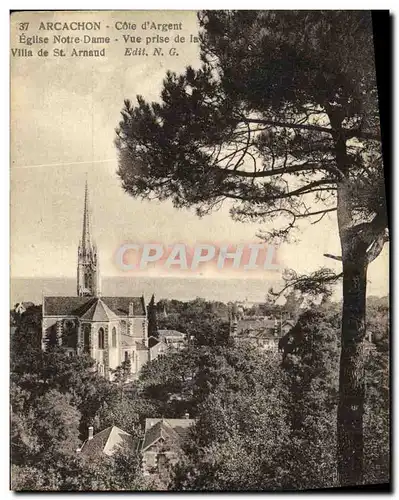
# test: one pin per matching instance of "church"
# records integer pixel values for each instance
(109, 329)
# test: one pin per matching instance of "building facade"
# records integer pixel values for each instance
(110, 329)
(262, 332)
(162, 443)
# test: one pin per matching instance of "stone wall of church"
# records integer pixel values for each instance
(99, 346)
(114, 343)
(138, 328)
(61, 330)
(142, 357)
(76, 337)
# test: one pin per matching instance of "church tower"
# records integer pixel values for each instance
(88, 278)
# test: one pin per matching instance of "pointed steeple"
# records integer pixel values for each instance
(86, 237)
(88, 272)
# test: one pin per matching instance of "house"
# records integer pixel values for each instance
(157, 347)
(172, 338)
(167, 340)
(160, 446)
(21, 307)
(287, 325)
(261, 332)
(107, 442)
(260, 336)
(163, 442)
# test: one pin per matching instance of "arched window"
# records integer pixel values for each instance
(101, 338)
(69, 338)
(126, 355)
(86, 338)
(113, 337)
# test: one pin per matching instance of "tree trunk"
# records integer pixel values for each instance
(351, 376)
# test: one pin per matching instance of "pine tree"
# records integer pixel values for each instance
(281, 119)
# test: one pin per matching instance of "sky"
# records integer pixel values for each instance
(64, 111)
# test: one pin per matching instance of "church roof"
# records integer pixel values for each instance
(107, 441)
(120, 305)
(78, 306)
(99, 311)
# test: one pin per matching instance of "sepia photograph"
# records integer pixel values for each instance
(199, 251)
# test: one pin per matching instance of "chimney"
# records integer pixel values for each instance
(186, 415)
(90, 433)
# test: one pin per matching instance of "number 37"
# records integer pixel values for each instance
(23, 26)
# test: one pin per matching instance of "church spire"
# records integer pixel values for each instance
(86, 237)
(88, 272)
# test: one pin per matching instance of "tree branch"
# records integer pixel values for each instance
(348, 133)
(376, 247)
(269, 173)
(334, 257)
(316, 283)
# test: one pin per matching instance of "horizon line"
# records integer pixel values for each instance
(246, 277)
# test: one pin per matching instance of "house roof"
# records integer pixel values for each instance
(264, 334)
(157, 342)
(171, 333)
(77, 306)
(288, 322)
(107, 441)
(99, 311)
(171, 429)
(176, 429)
(25, 304)
(256, 328)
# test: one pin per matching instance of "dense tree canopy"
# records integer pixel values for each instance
(54, 397)
(256, 412)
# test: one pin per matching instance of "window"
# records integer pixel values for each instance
(101, 338)
(123, 327)
(86, 338)
(113, 337)
(69, 338)
(126, 355)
